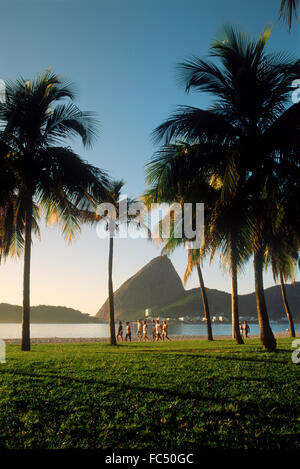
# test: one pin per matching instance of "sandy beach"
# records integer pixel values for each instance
(78, 340)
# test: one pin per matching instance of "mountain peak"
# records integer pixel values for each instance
(154, 284)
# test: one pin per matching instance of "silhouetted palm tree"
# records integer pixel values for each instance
(283, 246)
(35, 119)
(113, 218)
(112, 226)
(173, 179)
(230, 229)
(225, 222)
(194, 259)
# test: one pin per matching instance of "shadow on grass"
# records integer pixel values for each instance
(262, 413)
(238, 355)
(147, 389)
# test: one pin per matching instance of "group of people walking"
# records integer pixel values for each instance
(159, 331)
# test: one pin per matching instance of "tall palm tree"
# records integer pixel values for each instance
(194, 259)
(282, 251)
(225, 223)
(249, 119)
(115, 190)
(230, 230)
(35, 119)
(113, 218)
(172, 179)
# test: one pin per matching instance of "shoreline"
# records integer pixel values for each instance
(78, 340)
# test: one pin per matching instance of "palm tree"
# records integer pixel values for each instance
(169, 184)
(225, 223)
(194, 259)
(248, 121)
(282, 250)
(113, 218)
(230, 230)
(288, 10)
(286, 305)
(115, 190)
(35, 119)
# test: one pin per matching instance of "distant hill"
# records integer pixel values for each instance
(220, 303)
(158, 286)
(45, 314)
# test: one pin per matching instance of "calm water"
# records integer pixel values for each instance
(13, 331)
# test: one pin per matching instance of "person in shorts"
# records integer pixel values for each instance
(153, 330)
(165, 331)
(139, 330)
(158, 330)
(120, 331)
(246, 329)
(128, 332)
(145, 330)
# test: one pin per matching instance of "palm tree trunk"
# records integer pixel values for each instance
(25, 345)
(205, 304)
(267, 338)
(286, 306)
(111, 293)
(236, 333)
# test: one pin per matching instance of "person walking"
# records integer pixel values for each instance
(153, 330)
(246, 329)
(128, 332)
(165, 331)
(145, 330)
(120, 331)
(139, 330)
(158, 330)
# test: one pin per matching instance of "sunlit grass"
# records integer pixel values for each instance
(193, 394)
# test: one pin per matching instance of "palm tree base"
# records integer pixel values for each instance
(268, 344)
(239, 340)
(25, 347)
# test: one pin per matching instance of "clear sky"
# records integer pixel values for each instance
(121, 54)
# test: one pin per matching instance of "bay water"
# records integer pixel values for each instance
(13, 331)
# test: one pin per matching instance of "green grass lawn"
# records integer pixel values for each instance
(185, 394)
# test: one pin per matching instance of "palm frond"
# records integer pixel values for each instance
(193, 125)
(288, 10)
(67, 120)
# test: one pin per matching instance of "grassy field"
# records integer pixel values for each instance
(184, 394)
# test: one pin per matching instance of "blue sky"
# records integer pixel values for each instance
(121, 55)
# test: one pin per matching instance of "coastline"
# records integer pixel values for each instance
(80, 340)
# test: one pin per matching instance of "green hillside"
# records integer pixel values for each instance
(45, 314)
(158, 286)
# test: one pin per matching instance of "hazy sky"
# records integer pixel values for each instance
(121, 54)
